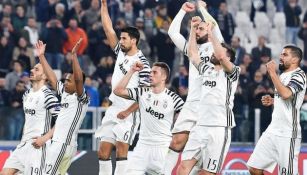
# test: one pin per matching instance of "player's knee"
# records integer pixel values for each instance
(103, 155)
(183, 169)
(254, 171)
(122, 149)
(6, 172)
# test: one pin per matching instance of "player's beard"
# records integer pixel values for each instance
(282, 67)
(202, 40)
(125, 49)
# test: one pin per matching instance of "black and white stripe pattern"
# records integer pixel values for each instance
(297, 81)
(178, 102)
(135, 93)
(227, 103)
(116, 49)
(145, 72)
(59, 160)
(220, 162)
(202, 67)
(74, 123)
(291, 156)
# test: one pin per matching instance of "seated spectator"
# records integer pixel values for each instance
(105, 90)
(30, 32)
(13, 77)
(260, 51)
(6, 52)
(7, 29)
(60, 14)
(240, 50)
(302, 34)
(182, 79)
(24, 53)
(161, 16)
(19, 19)
(104, 69)
(292, 12)
(91, 15)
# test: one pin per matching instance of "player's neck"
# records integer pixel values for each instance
(37, 85)
(132, 51)
(158, 88)
(291, 68)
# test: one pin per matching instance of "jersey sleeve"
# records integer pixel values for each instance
(59, 88)
(116, 49)
(136, 93)
(52, 103)
(234, 74)
(297, 82)
(177, 101)
(144, 73)
(84, 98)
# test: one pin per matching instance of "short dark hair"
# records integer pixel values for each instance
(165, 68)
(295, 51)
(230, 52)
(132, 32)
(83, 75)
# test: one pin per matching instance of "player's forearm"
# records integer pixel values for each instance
(48, 135)
(48, 71)
(282, 90)
(174, 30)
(133, 107)
(77, 73)
(107, 25)
(120, 89)
(193, 55)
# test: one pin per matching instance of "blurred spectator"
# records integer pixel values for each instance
(279, 4)
(240, 50)
(55, 36)
(76, 13)
(7, 10)
(258, 5)
(60, 14)
(128, 13)
(143, 42)
(30, 32)
(74, 33)
(7, 29)
(24, 53)
(16, 119)
(292, 12)
(149, 24)
(256, 90)
(25, 78)
(92, 14)
(260, 51)
(4, 94)
(213, 6)
(302, 34)
(225, 22)
(182, 79)
(19, 19)
(161, 16)
(105, 90)
(165, 49)
(113, 8)
(66, 64)
(6, 52)
(119, 25)
(45, 10)
(104, 69)
(13, 77)
(92, 92)
(98, 43)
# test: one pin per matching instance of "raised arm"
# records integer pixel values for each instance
(208, 18)
(77, 72)
(120, 89)
(193, 54)
(107, 24)
(174, 29)
(219, 51)
(40, 49)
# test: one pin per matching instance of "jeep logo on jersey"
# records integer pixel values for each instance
(205, 59)
(210, 83)
(121, 67)
(29, 111)
(154, 113)
(64, 105)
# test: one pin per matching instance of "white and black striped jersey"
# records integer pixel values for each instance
(205, 52)
(73, 110)
(122, 66)
(286, 114)
(217, 95)
(157, 114)
(39, 107)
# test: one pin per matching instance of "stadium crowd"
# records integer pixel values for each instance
(60, 23)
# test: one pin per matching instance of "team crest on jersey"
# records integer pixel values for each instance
(148, 97)
(164, 104)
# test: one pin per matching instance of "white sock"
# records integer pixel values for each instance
(170, 162)
(120, 167)
(105, 167)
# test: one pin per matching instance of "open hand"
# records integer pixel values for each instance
(40, 48)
